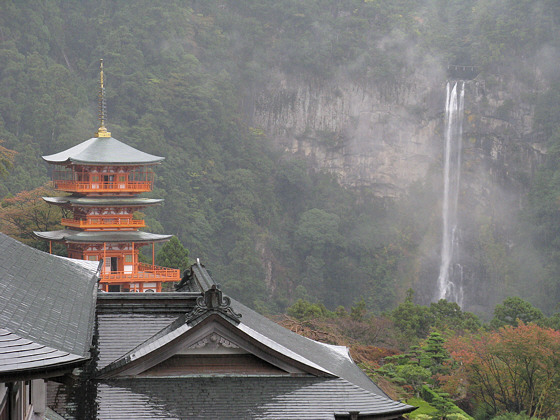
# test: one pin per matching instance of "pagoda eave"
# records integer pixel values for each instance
(74, 236)
(69, 201)
(103, 151)
(69, 162)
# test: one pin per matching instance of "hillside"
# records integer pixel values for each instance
(303, 140)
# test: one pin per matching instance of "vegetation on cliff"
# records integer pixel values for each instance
(181, 79)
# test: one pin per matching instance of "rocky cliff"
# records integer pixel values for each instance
(381, 138)
(388, 137)
(391, 136)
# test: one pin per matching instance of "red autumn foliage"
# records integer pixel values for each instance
(27, 212)
(512, 369)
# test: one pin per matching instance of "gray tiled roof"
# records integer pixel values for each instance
(329, 357)
(19, 354)
(69, 235)
(103, 150)
(324, 355)
(51, 415)
(238, 398)
(47, 307)
(119, 334)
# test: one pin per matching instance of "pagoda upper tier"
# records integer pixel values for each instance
(103, 166)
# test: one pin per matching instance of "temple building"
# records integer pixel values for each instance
(71, 351)
(199, 354)
(104, 177)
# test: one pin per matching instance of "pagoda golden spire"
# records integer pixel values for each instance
(102, 131)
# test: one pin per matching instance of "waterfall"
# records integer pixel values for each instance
(450, 280)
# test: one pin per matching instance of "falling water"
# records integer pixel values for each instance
(450, 280)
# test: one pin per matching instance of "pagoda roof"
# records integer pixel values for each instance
(103, 201)
(47, 308)
(103, 151)
(68, 235)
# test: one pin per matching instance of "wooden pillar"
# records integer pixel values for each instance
(39, 397)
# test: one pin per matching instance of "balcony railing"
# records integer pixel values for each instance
(105, 187)
(105, 223)
(144, 272)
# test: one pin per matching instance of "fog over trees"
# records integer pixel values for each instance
(182, 81)
(304, 159)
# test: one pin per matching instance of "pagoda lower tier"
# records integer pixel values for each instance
(119, 250)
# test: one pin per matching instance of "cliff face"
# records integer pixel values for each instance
(370, 137)
(386, 138)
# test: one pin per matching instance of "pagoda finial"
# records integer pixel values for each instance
(102, 131)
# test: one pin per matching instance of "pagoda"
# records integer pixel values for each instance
(104, 177)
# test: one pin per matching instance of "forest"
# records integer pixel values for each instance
(445, 361)
(281, 233)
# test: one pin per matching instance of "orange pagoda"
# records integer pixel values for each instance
(104, 177)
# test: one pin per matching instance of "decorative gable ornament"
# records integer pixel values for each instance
(212, 302)
(213, 341)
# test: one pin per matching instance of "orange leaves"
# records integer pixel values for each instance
(27, 212)
(511, 369)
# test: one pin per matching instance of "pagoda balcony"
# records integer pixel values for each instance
(143, 273)
(135, 187)
(105, 223)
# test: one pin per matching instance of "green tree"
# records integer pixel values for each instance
(304, 310)
(415, 321)
(449, 316)
(433, 353)
(514, 309)
(412, 375)
(317, 232)
(358, 311)
(6, 159)
(173, 255)
(412, 320)
(444, 407)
